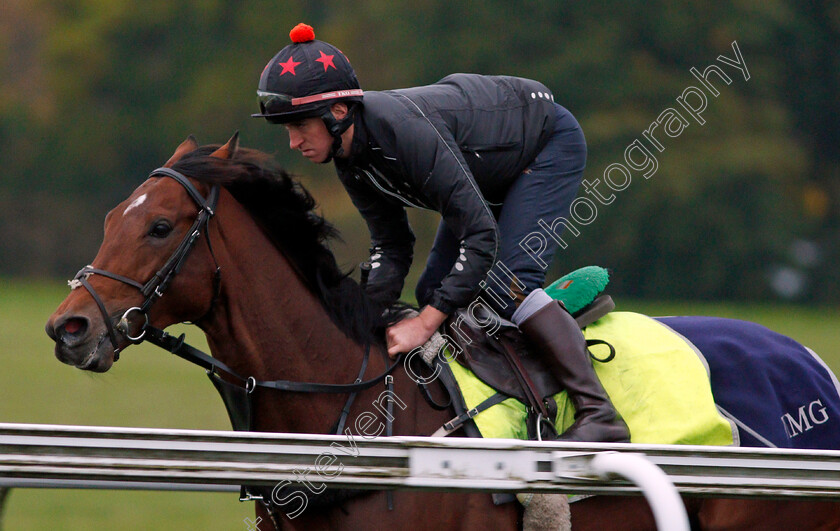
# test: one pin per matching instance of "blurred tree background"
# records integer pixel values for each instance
(96, 93)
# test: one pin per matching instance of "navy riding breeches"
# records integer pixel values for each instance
(539, 196)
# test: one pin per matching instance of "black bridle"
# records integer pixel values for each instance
(153, 289)
(236, 390)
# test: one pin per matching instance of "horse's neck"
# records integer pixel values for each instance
(270, 326)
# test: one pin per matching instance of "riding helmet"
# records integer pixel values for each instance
(304, 79)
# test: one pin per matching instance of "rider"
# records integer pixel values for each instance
(493, 155)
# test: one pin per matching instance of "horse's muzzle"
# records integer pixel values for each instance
(77, 344)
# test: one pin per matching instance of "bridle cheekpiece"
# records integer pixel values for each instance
(154, 288)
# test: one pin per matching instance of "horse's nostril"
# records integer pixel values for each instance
(73, 326)
(73, 329)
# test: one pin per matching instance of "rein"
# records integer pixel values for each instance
(153, 289)
(237, 397)
(177, 346)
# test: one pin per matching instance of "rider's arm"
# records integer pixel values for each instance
(431, 157)
(392, 240)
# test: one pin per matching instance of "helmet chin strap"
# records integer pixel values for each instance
(336, 128)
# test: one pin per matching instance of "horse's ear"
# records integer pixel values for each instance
(228, 150)
(187, 146)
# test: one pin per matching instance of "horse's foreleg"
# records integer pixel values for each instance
(4, 495)
(263, 520)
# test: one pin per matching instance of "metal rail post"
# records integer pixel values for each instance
(666, 504)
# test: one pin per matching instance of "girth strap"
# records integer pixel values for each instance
(458, 421)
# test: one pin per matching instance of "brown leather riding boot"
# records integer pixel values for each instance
(557, 337)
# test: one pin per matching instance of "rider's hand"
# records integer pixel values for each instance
(411, 333)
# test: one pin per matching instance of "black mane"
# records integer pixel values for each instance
(285, 210)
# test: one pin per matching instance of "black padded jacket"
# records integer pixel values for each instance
(453, 147)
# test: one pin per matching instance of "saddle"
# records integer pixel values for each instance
(497, 353)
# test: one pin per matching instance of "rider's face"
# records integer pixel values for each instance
(311, 138)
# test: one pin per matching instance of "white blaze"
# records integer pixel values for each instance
(137, 202)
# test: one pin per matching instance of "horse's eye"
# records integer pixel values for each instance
(160, 229)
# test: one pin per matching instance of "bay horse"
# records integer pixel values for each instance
(258, 278)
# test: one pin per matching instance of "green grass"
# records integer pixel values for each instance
(151, 388)
(148, 387)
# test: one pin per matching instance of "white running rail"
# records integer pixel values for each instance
(34, 455)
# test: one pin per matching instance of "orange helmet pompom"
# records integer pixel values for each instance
(302, 33)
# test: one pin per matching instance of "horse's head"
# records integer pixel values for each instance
(148, 237)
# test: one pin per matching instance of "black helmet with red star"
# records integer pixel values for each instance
(304, 79)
